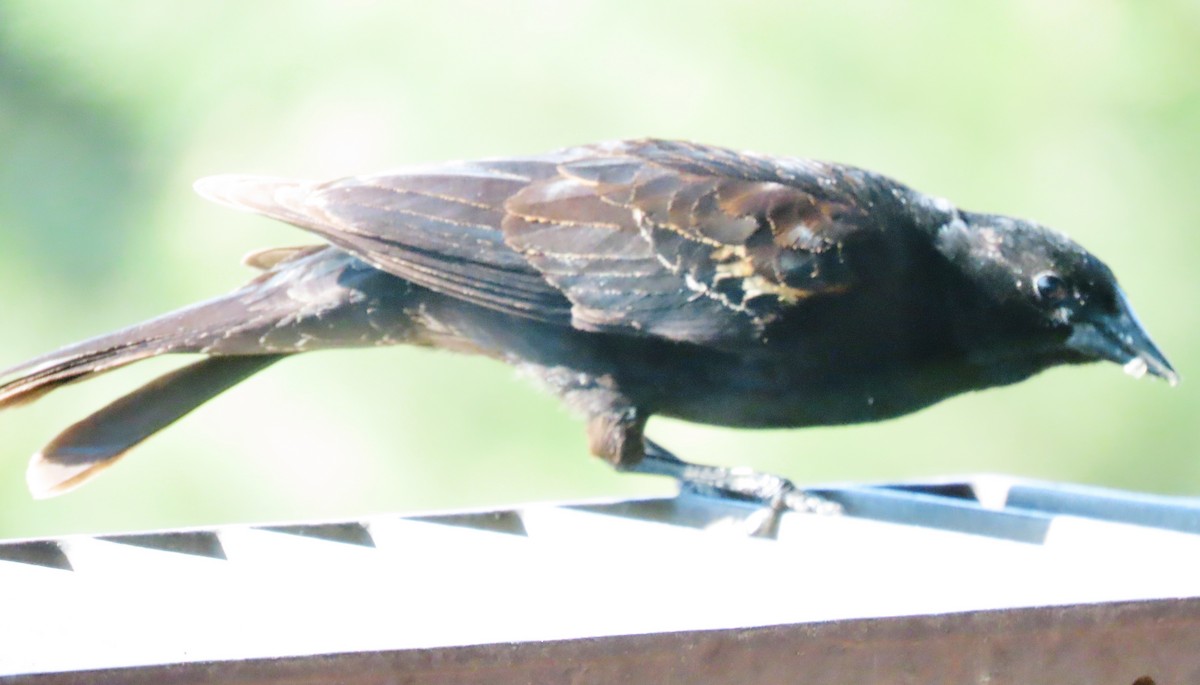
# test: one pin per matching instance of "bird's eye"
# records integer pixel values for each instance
(1051, 288)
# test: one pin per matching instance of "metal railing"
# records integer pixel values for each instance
(983, 579)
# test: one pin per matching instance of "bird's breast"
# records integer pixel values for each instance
(778, 396)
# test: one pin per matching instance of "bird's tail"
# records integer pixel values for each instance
(185, 330)
(95, 443)
(303, 301)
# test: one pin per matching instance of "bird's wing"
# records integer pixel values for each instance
(674, 240)
(437, 227)
(690, 242)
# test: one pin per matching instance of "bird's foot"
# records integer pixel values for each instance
(745, 485)
(774, 494)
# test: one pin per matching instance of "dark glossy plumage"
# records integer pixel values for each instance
(633, 278)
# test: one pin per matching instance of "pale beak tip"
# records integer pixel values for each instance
(1139, 366)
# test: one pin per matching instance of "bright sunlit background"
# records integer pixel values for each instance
(1082, 115)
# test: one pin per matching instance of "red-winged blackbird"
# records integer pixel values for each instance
(632, 278)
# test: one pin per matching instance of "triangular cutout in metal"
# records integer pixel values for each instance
(48, 553)
(351, 533)
(494, 521)
(203, 543)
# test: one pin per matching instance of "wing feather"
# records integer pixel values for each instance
(676, 240)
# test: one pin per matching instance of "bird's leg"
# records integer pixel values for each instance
(747, 485)
(616, 435)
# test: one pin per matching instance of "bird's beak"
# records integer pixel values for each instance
(1119, 337)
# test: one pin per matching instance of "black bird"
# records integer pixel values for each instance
(632, 278)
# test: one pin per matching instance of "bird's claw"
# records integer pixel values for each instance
(775, 493)
(805, 502)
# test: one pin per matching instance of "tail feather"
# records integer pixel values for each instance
(95, 443)
(40, 376)
(185, 330)
(272, 313)
(308, 299)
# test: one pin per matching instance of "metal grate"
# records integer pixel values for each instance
(985, 579)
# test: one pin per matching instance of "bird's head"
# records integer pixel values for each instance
(1050, 292)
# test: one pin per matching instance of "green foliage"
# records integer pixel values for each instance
(1082, 115)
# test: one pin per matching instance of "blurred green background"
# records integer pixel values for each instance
(1082, 115)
